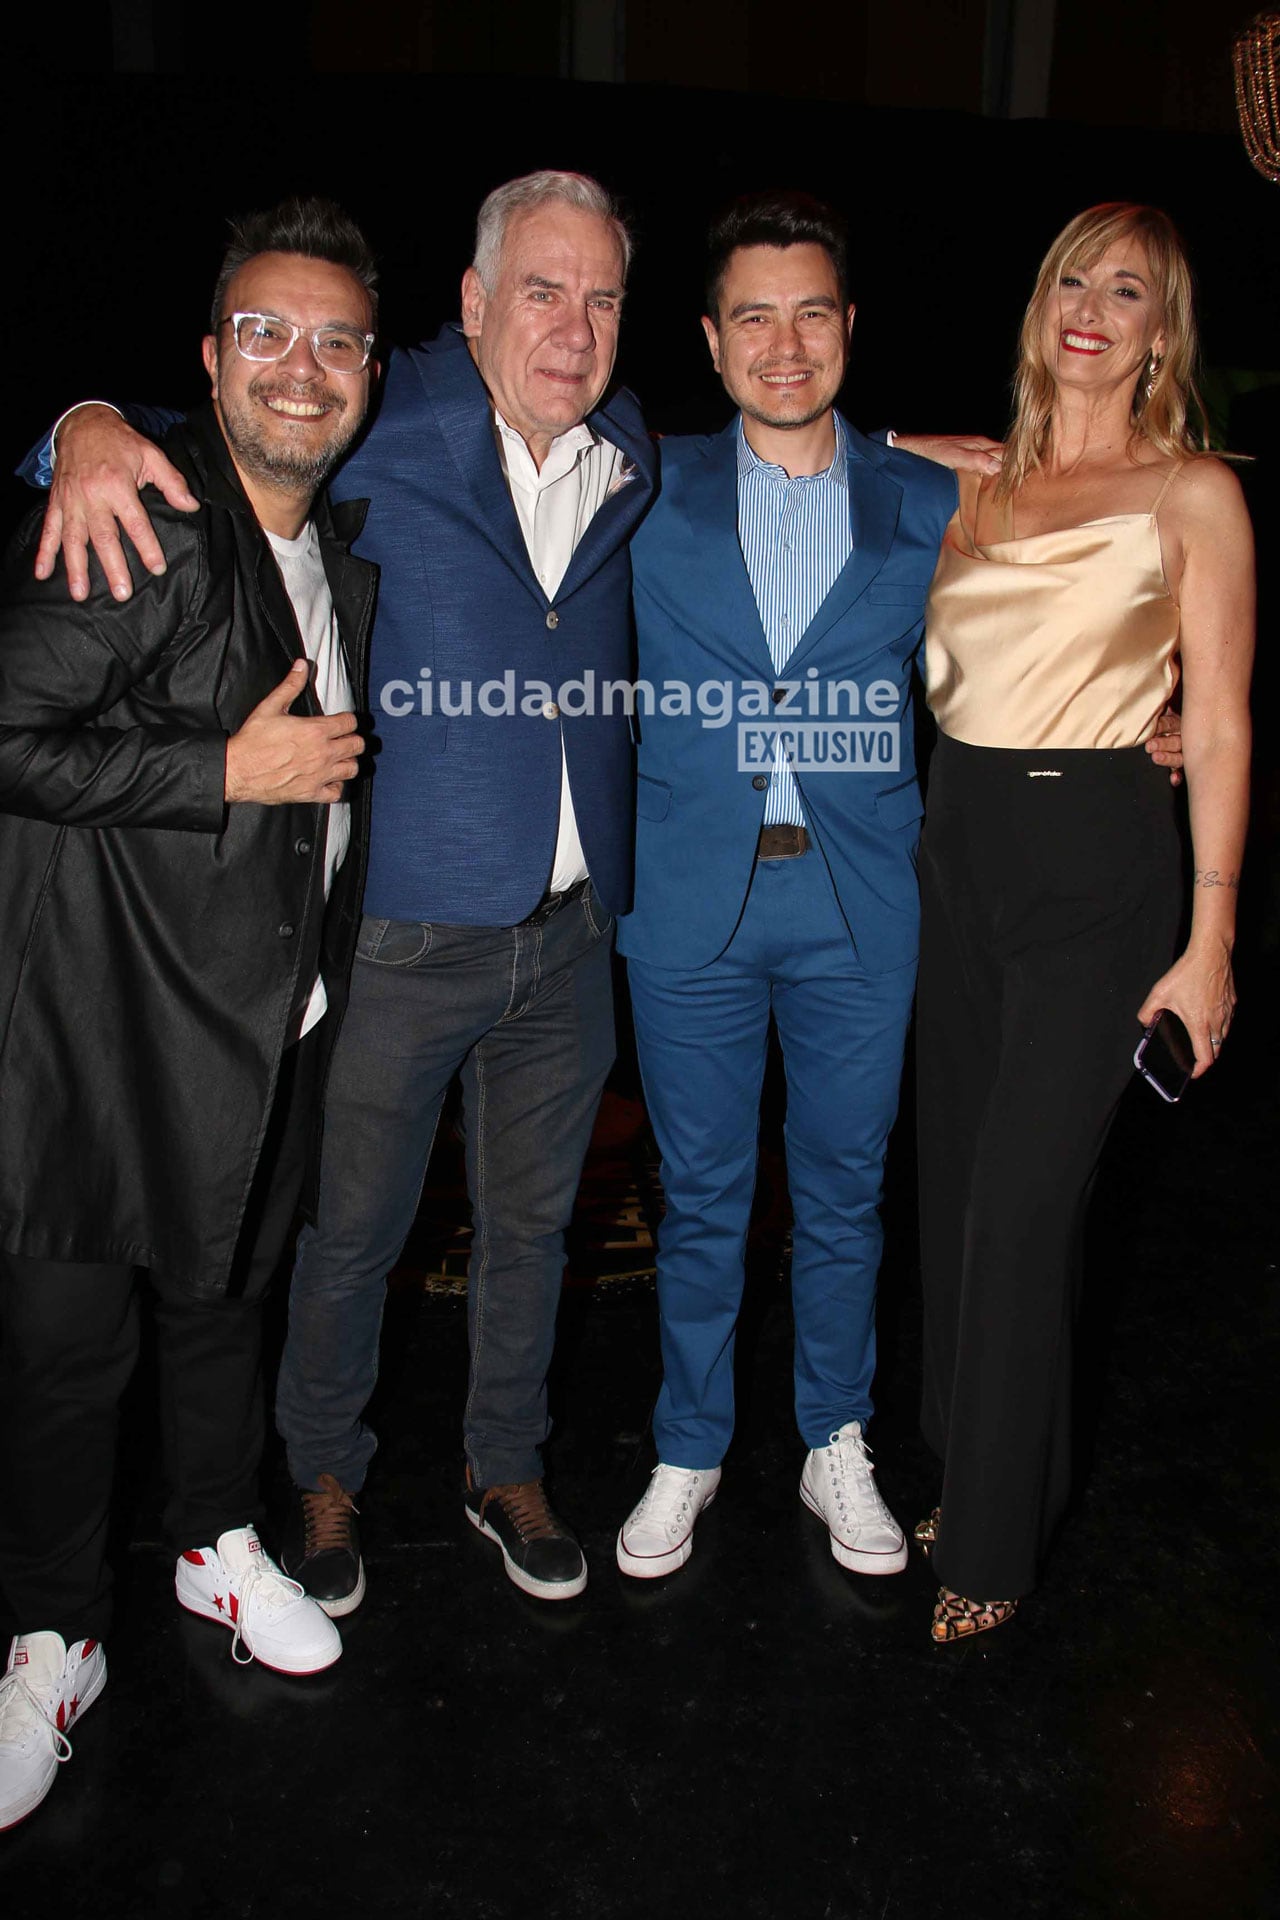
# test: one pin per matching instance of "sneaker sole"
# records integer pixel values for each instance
(652, 1566)
(540, 1589)
(25, 1808)
(343, 1603)
(857, 1559)
(204, 1612)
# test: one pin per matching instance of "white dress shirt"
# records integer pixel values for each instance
(554, 506)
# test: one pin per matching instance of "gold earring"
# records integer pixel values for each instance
(1154, 363)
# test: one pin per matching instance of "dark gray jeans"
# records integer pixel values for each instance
(525, 1014)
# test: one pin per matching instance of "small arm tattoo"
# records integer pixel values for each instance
(1214, 877)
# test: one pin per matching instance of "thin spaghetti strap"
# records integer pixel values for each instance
(962, 487)
(971, 483)
(1159, 499)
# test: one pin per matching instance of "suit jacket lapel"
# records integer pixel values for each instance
(875, 502)
(711, 504)
(617, 517)
(452, 387)
(467, 431)
(277, 611)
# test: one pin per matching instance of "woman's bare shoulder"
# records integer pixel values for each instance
(1207, 485)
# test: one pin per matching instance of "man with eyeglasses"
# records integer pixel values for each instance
(181, 853)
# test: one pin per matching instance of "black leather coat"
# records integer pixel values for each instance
(157, 946)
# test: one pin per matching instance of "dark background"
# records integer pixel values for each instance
(120, 188)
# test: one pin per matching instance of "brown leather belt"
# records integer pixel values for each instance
(781, 843)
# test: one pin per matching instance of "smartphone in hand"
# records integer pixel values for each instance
(1166, 1057)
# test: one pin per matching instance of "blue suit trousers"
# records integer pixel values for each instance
(702, 1036)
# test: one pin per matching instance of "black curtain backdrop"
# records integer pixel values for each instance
(119, 190)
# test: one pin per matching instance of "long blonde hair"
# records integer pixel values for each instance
(1160, 406)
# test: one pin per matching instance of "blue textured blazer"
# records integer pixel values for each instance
(701, 786)
(466, 805)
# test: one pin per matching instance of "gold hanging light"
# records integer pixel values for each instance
(1255, 53)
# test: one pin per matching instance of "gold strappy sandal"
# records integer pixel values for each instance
(925, 1532)
(957, 1618)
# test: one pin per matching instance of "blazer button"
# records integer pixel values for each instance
(553, 619)
(285, 929)
(760, 782)
(302, 847)
(779, 693)
(551, 711)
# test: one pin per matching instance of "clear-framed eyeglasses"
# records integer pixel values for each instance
(265, 336)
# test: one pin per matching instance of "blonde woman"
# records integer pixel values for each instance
(1109, 559)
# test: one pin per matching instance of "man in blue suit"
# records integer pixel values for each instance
(781, 577)
(503, 488)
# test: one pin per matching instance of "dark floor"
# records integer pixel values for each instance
(763, 1735)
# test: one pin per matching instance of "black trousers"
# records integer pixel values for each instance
(69, 1337)
(1050, 886)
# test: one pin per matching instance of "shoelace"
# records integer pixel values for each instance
(10, 1688)
(525, 1505)
(666, 1497)
(851, 1459)
(276, 1590)
(327, 1513)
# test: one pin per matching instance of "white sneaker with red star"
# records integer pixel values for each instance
(270, 1616)
(46, 1687)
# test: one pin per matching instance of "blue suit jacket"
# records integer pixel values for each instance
(466, 806)
(699, 810)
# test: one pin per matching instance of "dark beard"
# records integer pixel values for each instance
(281, 465)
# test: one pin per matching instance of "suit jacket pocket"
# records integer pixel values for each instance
(898, 594)
(653, 798)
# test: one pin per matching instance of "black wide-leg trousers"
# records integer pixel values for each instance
(1050, 886)
(69, 1340)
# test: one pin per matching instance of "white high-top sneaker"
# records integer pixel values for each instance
(838, 1485)
(657, 1535)
(269, 1615)
(45, 1689)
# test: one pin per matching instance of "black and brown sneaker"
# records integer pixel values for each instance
(541, 1554)
(321, 1546)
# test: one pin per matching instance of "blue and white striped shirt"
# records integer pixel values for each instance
(795, 538)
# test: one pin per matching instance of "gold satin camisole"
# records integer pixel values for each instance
(1059, 640)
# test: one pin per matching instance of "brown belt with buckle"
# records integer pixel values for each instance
(781, 843)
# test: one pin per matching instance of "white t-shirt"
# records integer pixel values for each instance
(302, 570)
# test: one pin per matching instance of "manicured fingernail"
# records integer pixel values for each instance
(159, 567)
